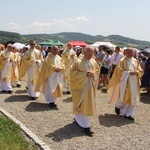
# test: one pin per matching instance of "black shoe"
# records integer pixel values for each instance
(117, 110)
(74, 121)
(34, 98)
(88, 132)
(68, 92)
(9, 92)
(3, 91)
(18, 85)
(130, 118)
(52, 105)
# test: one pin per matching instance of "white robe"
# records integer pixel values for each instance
(6, 72)
(0, 83)
(126, 109)
(52, 82)
(67, 71)
(16, 70)
(32, 73)
(83, 120)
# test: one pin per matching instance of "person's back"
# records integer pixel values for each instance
(146, 76)
(100, 55)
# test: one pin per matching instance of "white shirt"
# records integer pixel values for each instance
(107, 58)
(116, 58)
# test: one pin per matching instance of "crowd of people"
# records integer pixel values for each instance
(79, 72)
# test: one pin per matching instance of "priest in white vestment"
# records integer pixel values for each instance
(124, 85)
(68, 56)
(2, 49)
(6, 62)
(0, 69)
(15, 68)
(51, 77)
(84, 76)
(31, 64)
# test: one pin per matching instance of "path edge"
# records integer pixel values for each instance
(27, 132)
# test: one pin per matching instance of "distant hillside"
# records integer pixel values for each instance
(11, 36)
(68, 36)
(65, 37)
(126, 41)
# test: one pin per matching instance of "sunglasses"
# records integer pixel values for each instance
(32, 44)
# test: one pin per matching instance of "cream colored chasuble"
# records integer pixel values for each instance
(89, 80)
(133, 82)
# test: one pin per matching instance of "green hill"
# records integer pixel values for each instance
(65, 37)
(68, 36)
(11, 36)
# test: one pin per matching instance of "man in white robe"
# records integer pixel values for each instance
(6, 62)
(0, 71)
(51, 77)
(15, 68)
(84, 76)
(68, 56)
(31, 63)
(2, 48)
(124, 85)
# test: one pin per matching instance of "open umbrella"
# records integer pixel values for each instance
(18, 45)
(146, 51)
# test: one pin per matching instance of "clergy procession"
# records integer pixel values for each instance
(79, 72)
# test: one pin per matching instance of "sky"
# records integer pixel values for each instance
(129, 18)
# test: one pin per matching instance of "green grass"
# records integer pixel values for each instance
(11, 137)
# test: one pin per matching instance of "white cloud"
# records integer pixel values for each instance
(82, 18)
(54, 25)
(13, 26)
(70, 19)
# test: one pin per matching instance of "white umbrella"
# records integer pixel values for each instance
(124, 48)
(146, 50)
(77, 46)
(18, 46)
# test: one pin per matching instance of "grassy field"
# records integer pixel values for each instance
(11, 137)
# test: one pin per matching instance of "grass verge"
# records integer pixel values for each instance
(12, 138)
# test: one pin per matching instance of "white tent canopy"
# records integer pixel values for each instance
(107, 44)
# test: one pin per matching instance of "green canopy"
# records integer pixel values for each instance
(51, 43)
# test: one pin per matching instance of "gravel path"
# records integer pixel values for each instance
(57, 130)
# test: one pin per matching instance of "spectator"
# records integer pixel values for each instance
(115, 59)
(105, 68)
(146, 76)
(142, 62)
